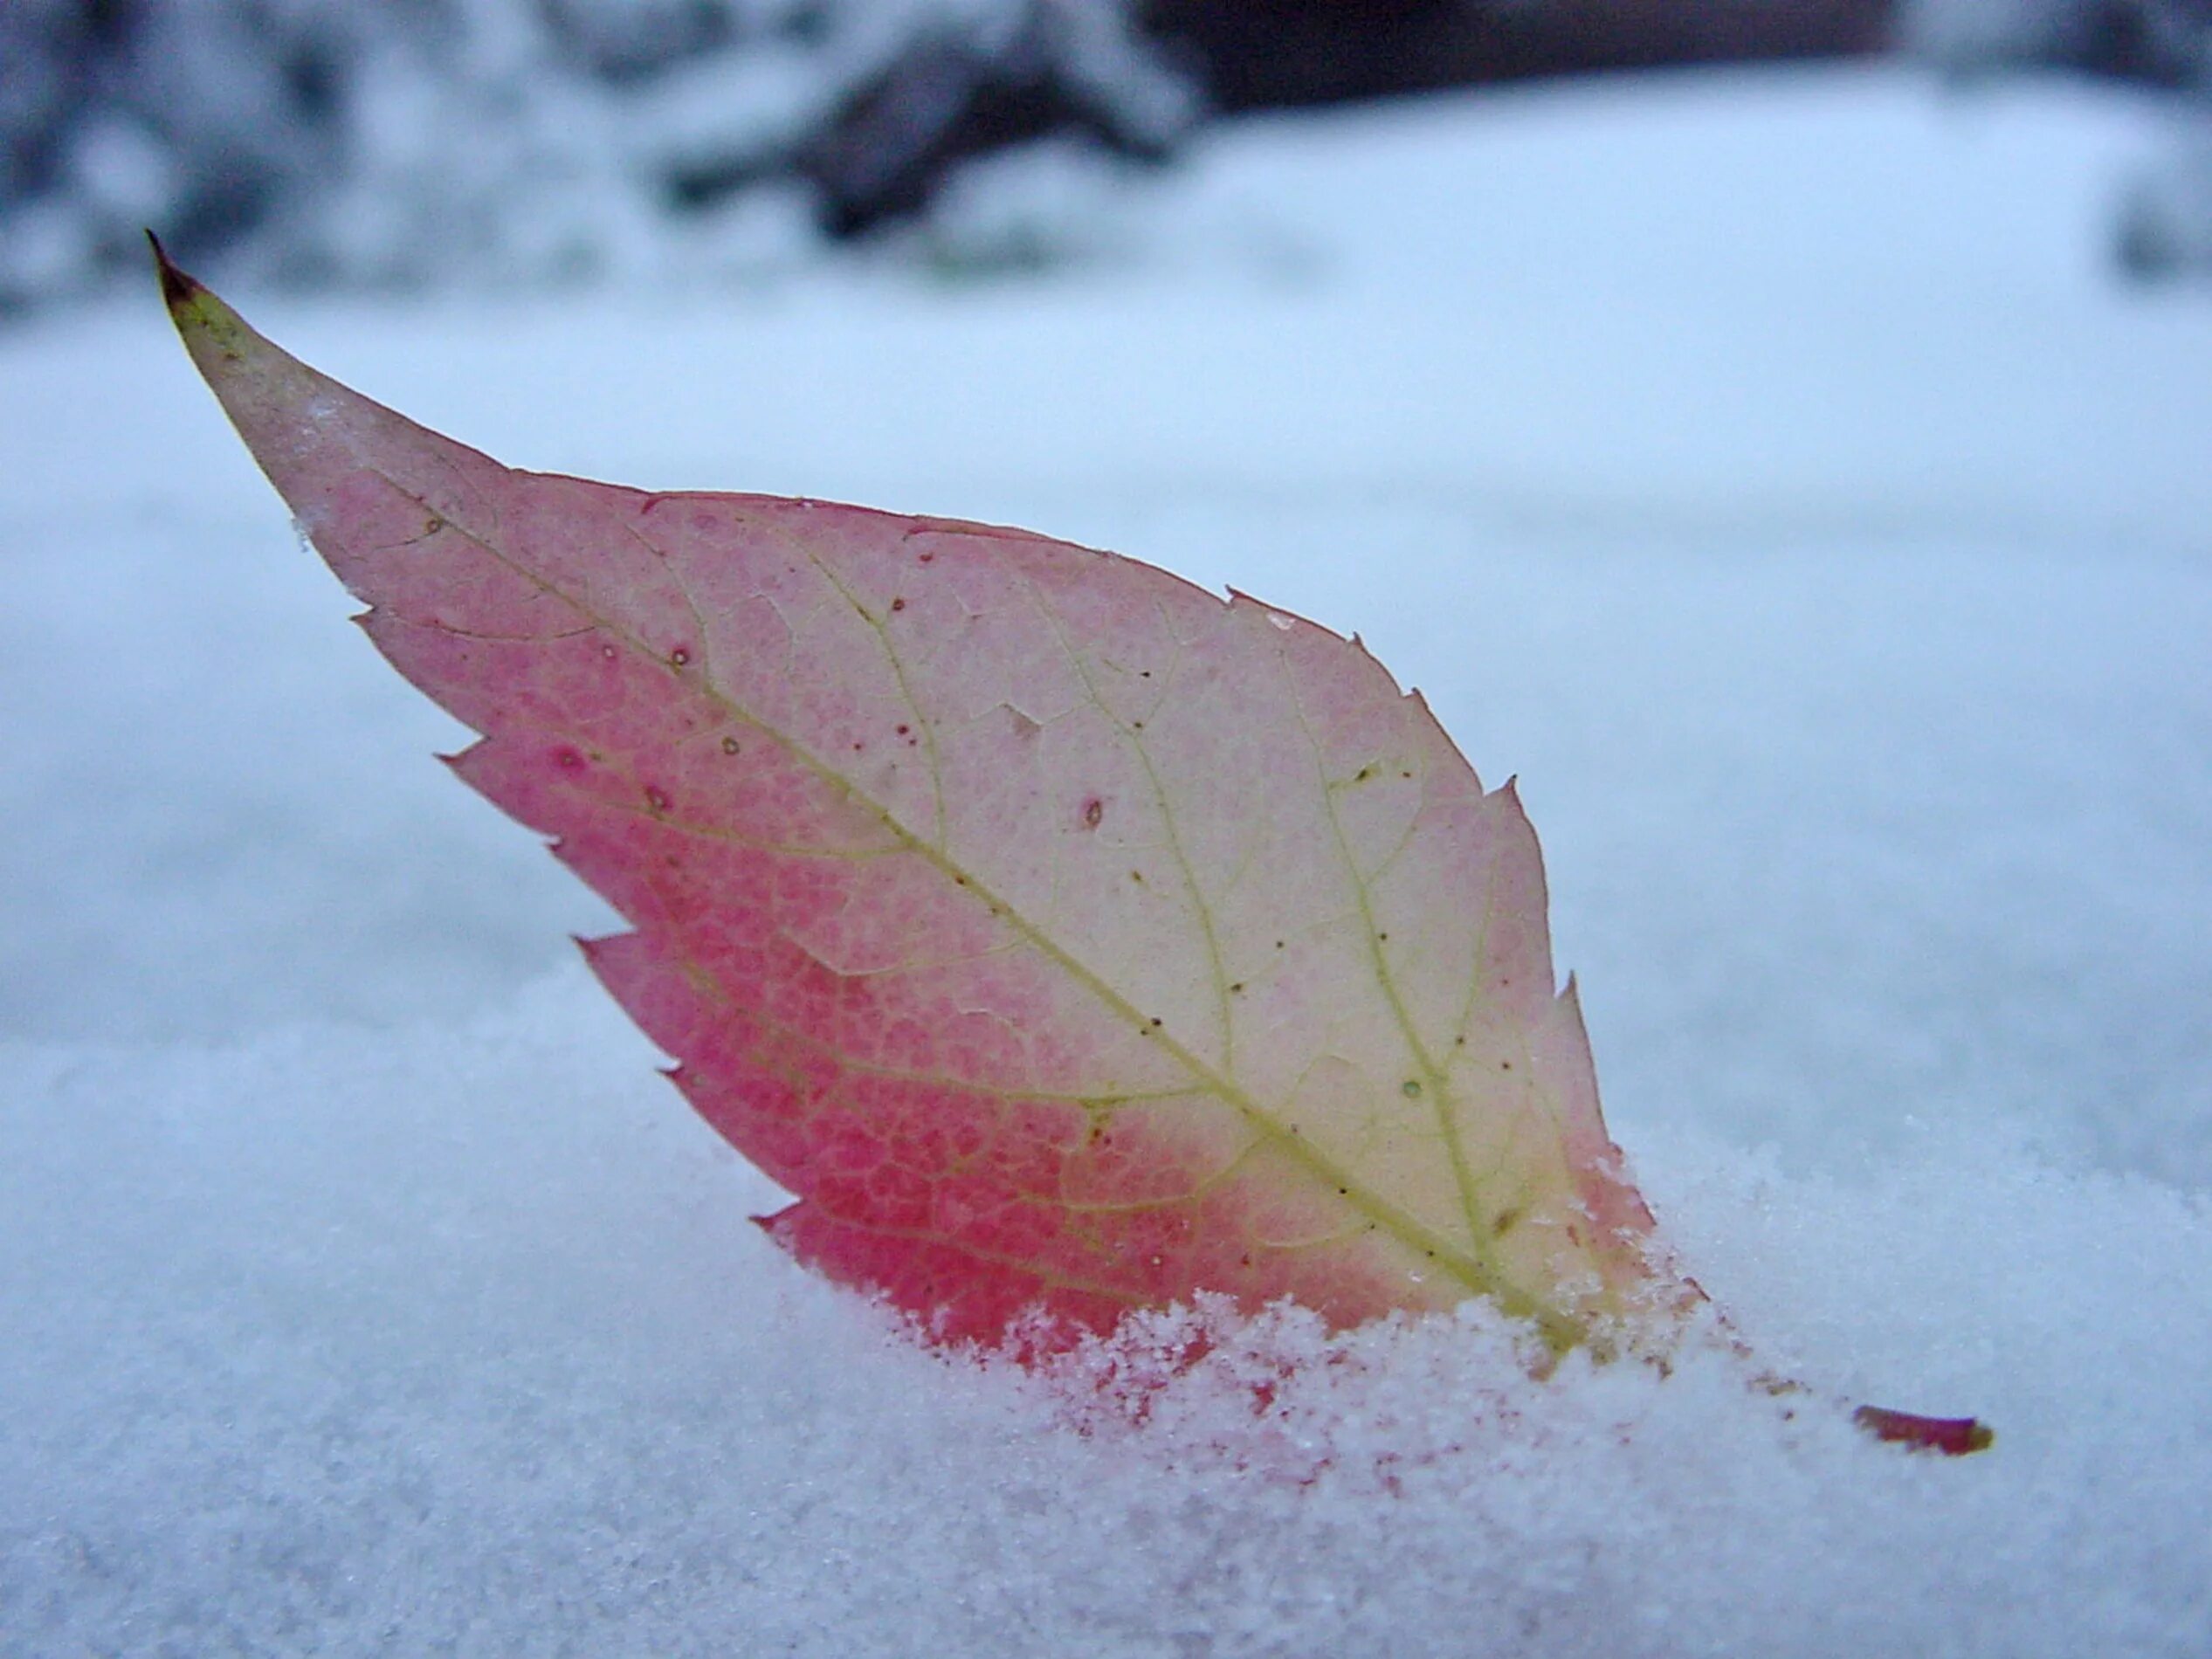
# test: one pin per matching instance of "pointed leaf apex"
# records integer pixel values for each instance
(179, 289)
(199, 316)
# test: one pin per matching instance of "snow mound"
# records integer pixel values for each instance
(457, 1338)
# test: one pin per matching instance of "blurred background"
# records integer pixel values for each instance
(439, 143)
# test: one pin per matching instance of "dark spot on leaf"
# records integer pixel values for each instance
(731, 746)
(1093, 810)
(1144, 673)
(1505, 1065)
(960, 881)
(1136, 726)
(903, 730)
(857, 746)
(927, 556)
(1136, 875)
(1385, 938)
(1156, 1019)
(1237, 990)
(1363, 774)
(898, 604)
(1411, 1089)
(432, 524)
(1508, 1220)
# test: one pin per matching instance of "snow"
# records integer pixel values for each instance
(1762, 469)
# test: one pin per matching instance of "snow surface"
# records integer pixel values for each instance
(1760, 468)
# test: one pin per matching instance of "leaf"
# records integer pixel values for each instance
(1070, 940)
(1063, 935)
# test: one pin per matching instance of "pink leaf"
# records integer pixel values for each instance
(1067, 937)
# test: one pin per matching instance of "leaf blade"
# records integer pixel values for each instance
(1061, 933)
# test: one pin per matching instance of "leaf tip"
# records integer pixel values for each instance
(178, 289)
(212, 332)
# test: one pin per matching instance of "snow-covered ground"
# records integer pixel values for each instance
(1764, 469)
